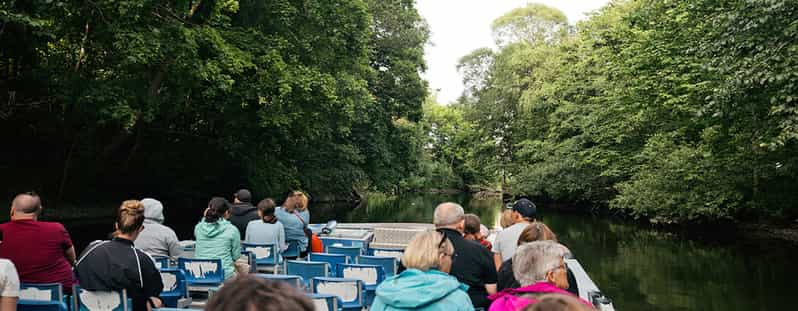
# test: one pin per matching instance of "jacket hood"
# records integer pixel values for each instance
(414, 288)
(153, 210)
(241, 209)
(212, 229)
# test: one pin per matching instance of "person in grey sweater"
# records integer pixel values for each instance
(157, 239)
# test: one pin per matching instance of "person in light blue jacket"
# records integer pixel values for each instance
(266, 230)
(218, 238)
(426, 284)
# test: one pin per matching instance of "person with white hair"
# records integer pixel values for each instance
(426, 284)
(472, 263)
(539, 267)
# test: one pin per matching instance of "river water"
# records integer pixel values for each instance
(639, 268)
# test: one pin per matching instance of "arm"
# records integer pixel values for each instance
(235, 251)
(491, 288)
(8, 303)
(491, 275)
(175, 250)
(497, 260)
(70, 255)
(281, 238)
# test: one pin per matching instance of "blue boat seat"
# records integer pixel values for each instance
(266, 256)
(161, 262)
(86, 300)
(389, 264)
(349, 291)
(325, 302)
(40, 305)
(307, 270)
(201, 273)
(333, 259)
(293, 280)
(175, 289)
(293, 250)
(350, 251)
(386, 252)
(371, 275)
(41, 291)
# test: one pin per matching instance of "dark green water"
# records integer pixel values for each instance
(638, 267)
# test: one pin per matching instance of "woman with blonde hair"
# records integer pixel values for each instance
(426, 284)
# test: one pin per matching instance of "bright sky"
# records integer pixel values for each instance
(461, 26)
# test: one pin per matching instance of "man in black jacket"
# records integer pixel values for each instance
(242, 211)
(472, 263)
(116, 264)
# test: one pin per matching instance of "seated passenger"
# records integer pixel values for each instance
(249, 292)
(472, 230)
(217, 238)
(540, 268)
(41, 251)
(426, 284)
(242, 211)
(115, 265)
(557, 302)
(537, 231)
(9, 286)
(294, 222)
(157, 239)
(473, 264)
(266, 230)
(524, 213)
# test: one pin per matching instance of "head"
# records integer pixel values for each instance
(26, 206)
(218, 208)
(153, 210)
(556, 302)
(524, 211)
(248, 292)
(242, 196)
(449, 215)
(471, 226)
(540, 261)
(299, 200)
(130, 219)
(536, 231)
(506, 218)
(429, 250)
(266, 210)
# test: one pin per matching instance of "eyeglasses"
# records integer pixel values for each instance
(442, 243)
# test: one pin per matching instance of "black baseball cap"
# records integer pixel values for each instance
(243, 195)
(525, 207)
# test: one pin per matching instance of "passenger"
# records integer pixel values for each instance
(536, 231)
(294, 222)
(216, 237)
(426, 284)
(540, 268)
(473, 231)
(41, 251)
(248, 292)
(9, 286)
(506, 218)
(157, 239)
(557, 302)
(242, 211)
(115, 265)
(266, 230)
(472, 263)
(302, 207)
(506, 241)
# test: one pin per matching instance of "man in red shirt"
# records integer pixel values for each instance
(41, 251)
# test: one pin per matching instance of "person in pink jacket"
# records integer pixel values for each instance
(540, 269)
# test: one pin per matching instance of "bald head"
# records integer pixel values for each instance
(448, 214)
(26, 204)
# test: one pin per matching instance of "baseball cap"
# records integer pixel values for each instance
(243, 195)
(525, 207)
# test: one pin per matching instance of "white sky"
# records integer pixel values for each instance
(460, 26)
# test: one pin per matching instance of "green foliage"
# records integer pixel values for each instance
(190, 98)
(670, 110)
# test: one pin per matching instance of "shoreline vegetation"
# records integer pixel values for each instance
(670, 113)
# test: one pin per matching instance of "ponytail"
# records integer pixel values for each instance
(266, 209)
(217, 207)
